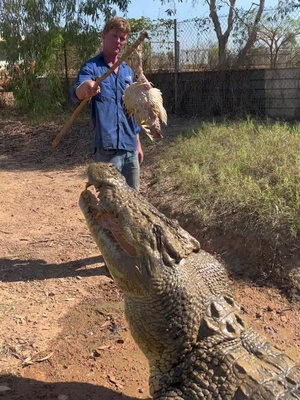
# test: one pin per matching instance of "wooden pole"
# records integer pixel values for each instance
(77, 111)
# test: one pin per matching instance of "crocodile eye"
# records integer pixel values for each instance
(158, 235)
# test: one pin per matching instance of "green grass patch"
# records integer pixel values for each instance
(239, 171)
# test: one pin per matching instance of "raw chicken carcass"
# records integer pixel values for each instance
(145, 103)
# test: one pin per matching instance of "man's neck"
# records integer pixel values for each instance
(111, 59)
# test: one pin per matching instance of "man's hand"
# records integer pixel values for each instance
(139, 150)
(87, 88)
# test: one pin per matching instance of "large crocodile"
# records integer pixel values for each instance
(179, 305)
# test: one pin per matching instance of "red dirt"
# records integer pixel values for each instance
(63, 334)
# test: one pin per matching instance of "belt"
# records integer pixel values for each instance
(107, 151)
(112, 151)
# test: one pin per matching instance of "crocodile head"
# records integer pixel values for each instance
(135, 240)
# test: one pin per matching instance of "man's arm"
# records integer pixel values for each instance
(87, 88)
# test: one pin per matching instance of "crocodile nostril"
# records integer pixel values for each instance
(239, 320)
(229, 300)
(214, 311)
(230, 327)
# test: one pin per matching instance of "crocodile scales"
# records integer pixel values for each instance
(178, 303)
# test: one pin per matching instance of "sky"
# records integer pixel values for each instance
(153, 9)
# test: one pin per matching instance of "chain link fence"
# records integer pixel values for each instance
(184, 64)
(192, 45)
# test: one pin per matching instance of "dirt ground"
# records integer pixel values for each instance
(63, 334)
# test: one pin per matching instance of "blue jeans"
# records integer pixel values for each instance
(126, 162)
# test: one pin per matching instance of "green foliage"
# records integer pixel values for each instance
(242, 171)
(285, 7)
(157, 30)
(274, 24)
(277, 33)
(40, 98)
(139, 25)
(47, 38)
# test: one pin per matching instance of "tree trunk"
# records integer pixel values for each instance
(252, 37)
(66, 66)
(222, 37)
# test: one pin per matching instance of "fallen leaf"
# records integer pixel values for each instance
(105, 324)
(103, 347)
(45, 358)
(112, 379)
(97, 352)
(27, 361)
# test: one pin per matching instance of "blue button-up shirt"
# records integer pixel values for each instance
(113, 128)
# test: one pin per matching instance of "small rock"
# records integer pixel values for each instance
(62, 397)
(4, 388)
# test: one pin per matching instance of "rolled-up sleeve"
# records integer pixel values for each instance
(86, 73)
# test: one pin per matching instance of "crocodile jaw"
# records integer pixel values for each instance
(130, 270)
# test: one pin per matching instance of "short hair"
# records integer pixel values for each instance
(117, 23)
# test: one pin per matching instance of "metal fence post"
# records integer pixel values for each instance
(176, 53)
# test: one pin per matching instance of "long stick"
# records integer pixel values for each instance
(77, 111)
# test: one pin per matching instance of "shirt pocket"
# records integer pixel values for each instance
(102, 98)
(106, 93)
(127, 82)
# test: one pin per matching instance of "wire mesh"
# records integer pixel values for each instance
(192, 45)
(267, 81)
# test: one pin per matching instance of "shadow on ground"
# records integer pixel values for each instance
(16, 270)
(30, 389)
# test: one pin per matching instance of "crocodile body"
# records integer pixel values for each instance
(179, 304)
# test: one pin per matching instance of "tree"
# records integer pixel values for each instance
(274, 28)
(219, 8)
(278, 33)
(157, 29)
(41, 35)
(241, 25)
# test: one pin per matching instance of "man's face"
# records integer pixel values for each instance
(114, 41)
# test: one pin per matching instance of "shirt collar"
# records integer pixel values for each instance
(101, 56)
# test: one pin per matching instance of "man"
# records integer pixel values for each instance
(116, 134)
